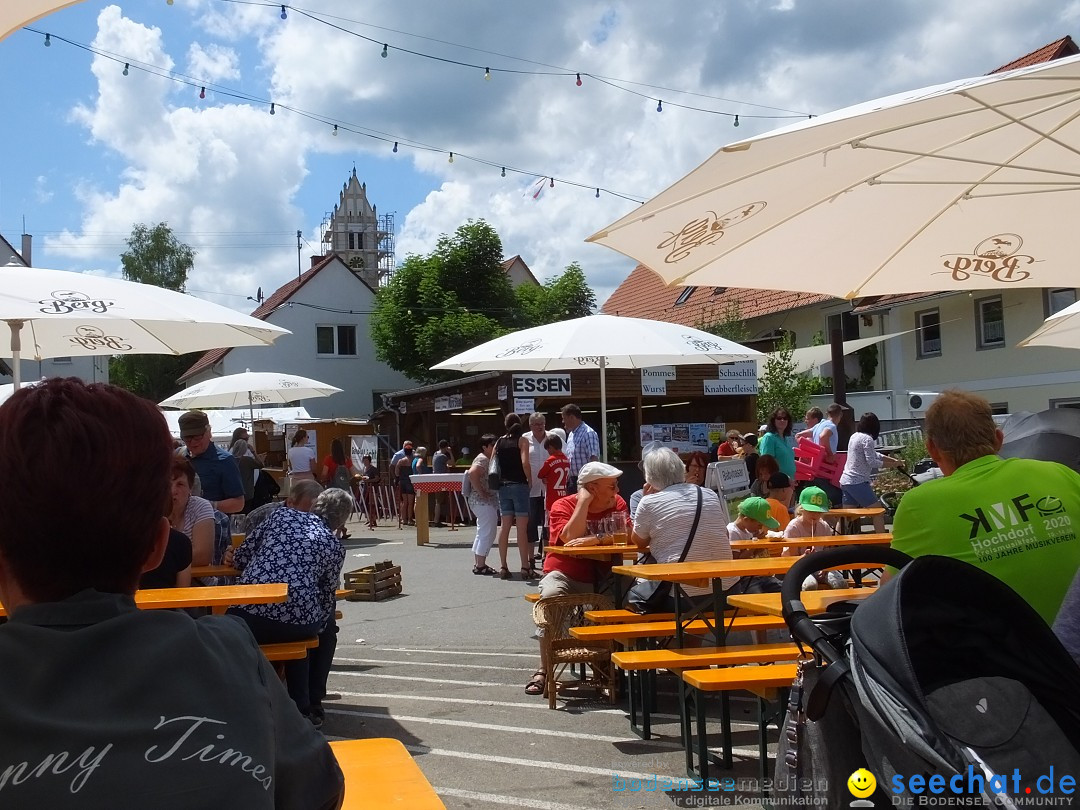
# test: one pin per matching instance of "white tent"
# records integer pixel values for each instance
(223, 422)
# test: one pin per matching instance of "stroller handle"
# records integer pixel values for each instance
(798, 620)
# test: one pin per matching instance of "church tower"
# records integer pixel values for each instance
(356, 233)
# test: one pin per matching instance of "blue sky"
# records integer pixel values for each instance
(88, 152)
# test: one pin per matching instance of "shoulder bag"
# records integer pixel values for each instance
(494, 471)
(649, 596)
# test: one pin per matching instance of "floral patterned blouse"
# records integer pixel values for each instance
(296, 548)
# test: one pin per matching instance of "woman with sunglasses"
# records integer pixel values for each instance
(776, 441)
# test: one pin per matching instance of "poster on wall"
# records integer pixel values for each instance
(699, 436)
(523, 406)
(662, 433)
(646, 434)
(680, 434)
(716, 431)
(360, 446)
(502, 392)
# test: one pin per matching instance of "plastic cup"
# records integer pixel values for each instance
(238, 529)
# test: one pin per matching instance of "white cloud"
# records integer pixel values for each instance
(212, 63)
(227, 173)
(42, 192)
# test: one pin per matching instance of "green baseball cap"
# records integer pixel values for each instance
(758, 509)
(814, 499)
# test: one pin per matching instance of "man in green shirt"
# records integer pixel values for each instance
(1015, 518)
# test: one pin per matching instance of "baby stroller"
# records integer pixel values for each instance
(944, 678)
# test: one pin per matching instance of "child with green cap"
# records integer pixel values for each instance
(808, 523)
(753, 520)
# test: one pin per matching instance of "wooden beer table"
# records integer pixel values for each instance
(217, 597)
(425, 485)
(768, 604)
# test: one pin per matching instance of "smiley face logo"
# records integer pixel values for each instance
(861, 783)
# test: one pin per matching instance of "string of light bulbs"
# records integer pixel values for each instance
(554, 71)
(336, 125)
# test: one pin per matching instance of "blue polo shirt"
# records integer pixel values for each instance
(218, 473)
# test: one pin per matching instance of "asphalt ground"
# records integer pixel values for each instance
(443, 666)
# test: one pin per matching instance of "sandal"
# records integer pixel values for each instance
(484, 570)
(529, 573)
(505, 574)
(536, 684)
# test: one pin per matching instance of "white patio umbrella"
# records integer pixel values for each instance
(604, 341)
(65, 314)
(14, 14)
(962, 186)
(1060, 329)
(249, 388)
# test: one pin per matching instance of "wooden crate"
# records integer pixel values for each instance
(373, 582)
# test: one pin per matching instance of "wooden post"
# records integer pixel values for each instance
(420, 513)
(839, 376)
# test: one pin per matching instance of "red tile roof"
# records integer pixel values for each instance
(1047, 53)
(644, 295)
(276, 299)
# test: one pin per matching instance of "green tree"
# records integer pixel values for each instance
(458, 296)
(730, 324)
(566, 296)
(154, 256)
(782, 385)
(438, 305)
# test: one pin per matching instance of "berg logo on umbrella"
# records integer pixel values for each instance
(995, 257)
(64, 302)
(705, 231)
(524, 348)
(90, 338)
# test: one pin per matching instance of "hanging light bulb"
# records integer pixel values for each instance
(202, 92)
(598, 194)
(579, 80)
(504, 171)
(395, 146)
(48, 41)
(284, 16)
(552, 183)
(660, 105)
(127, 68)
(451, 160)
(335, 130)
(384, 50)
(736, 120)
(487, 74)
(272, 109)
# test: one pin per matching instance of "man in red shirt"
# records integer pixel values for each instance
(596, 498)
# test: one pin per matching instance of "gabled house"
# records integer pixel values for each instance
(328, 310)
(964, 340)
(88, 369)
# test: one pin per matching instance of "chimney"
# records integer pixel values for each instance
(27, 239)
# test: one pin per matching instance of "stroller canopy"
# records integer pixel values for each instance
(1052, 435)
(928, 649)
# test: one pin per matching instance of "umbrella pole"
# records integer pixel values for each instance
(16, 346)
(251, 413)
(603, 409)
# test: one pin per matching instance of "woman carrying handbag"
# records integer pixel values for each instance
(676, 521)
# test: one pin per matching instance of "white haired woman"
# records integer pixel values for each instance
(665, 519)
(300, 549)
